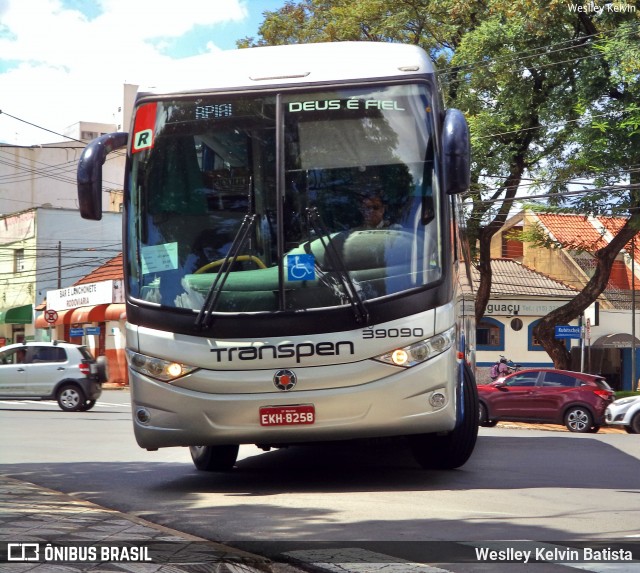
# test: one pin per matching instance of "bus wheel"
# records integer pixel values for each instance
(450, 451)
(214, 458)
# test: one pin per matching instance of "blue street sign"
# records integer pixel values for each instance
(92, 330)
(567, 331)
(76, 332)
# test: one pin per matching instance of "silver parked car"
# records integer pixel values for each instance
(56, 370)
(625, 412)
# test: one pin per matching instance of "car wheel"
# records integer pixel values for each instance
(483, 417)
(578, 419)
(634, 426)
(214, 458)
(446, 452)
(70, 398)
(87, 406)
(594, 430)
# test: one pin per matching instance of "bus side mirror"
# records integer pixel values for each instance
(90, 172)
(456, 152)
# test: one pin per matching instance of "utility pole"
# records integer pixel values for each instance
(59, 265)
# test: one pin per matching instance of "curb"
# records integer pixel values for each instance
(33, 515)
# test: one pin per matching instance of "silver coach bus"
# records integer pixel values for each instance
(293, 255)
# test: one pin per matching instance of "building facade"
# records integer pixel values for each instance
(563, 250)
(91, 312)
(43, 249)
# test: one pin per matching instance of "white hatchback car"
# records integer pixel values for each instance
(56, 370)
(625, 412)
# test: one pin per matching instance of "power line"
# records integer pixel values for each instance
(40, 127)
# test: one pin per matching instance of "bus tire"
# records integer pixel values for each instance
(450, 451)
(214, 458)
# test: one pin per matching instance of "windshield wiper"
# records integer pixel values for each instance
(205, 316)
(337, 264)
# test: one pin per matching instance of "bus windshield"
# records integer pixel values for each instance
(283, 201)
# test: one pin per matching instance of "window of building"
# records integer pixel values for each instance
(534, 344)
(18, 261)
(512, 245)
(490, 334)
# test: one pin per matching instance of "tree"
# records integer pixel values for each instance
(607, 148)
(531, 76)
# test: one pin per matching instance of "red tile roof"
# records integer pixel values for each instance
(573, 231)
(590, 234)
(613, 225)
(111, 270)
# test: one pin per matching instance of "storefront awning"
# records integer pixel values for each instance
(620, 340)
(116, 311)
(85, 314)
(17, 315)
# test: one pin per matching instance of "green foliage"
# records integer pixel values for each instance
(626, 394)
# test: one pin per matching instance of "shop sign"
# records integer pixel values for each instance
(89, 294)
(522, 307)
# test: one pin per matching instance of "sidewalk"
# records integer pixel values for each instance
(555, 427)
(42, 530)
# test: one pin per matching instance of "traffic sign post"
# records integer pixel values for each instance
(50, 316)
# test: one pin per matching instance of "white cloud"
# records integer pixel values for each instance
(71, 67)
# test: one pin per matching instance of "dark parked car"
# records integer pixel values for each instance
(546, 395)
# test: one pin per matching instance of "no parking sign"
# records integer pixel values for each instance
(50, 316)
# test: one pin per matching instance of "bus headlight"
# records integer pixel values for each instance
(421, 351)
(157, 367)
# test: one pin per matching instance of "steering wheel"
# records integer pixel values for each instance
(220, 262)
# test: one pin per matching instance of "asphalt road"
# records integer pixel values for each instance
(520, 484)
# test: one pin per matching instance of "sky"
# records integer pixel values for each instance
(65, 61)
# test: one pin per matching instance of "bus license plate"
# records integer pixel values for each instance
(287, 415)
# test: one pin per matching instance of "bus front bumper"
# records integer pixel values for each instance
(412, 401)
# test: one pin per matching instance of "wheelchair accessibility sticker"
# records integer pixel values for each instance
(301, 268)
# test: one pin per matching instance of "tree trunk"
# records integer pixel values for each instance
(485, 234)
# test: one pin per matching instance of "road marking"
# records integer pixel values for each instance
(626, 567)
(55, 404)
(356, 560)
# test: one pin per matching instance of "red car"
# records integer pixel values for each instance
(546, 395)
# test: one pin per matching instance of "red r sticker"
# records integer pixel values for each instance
(144, 127)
